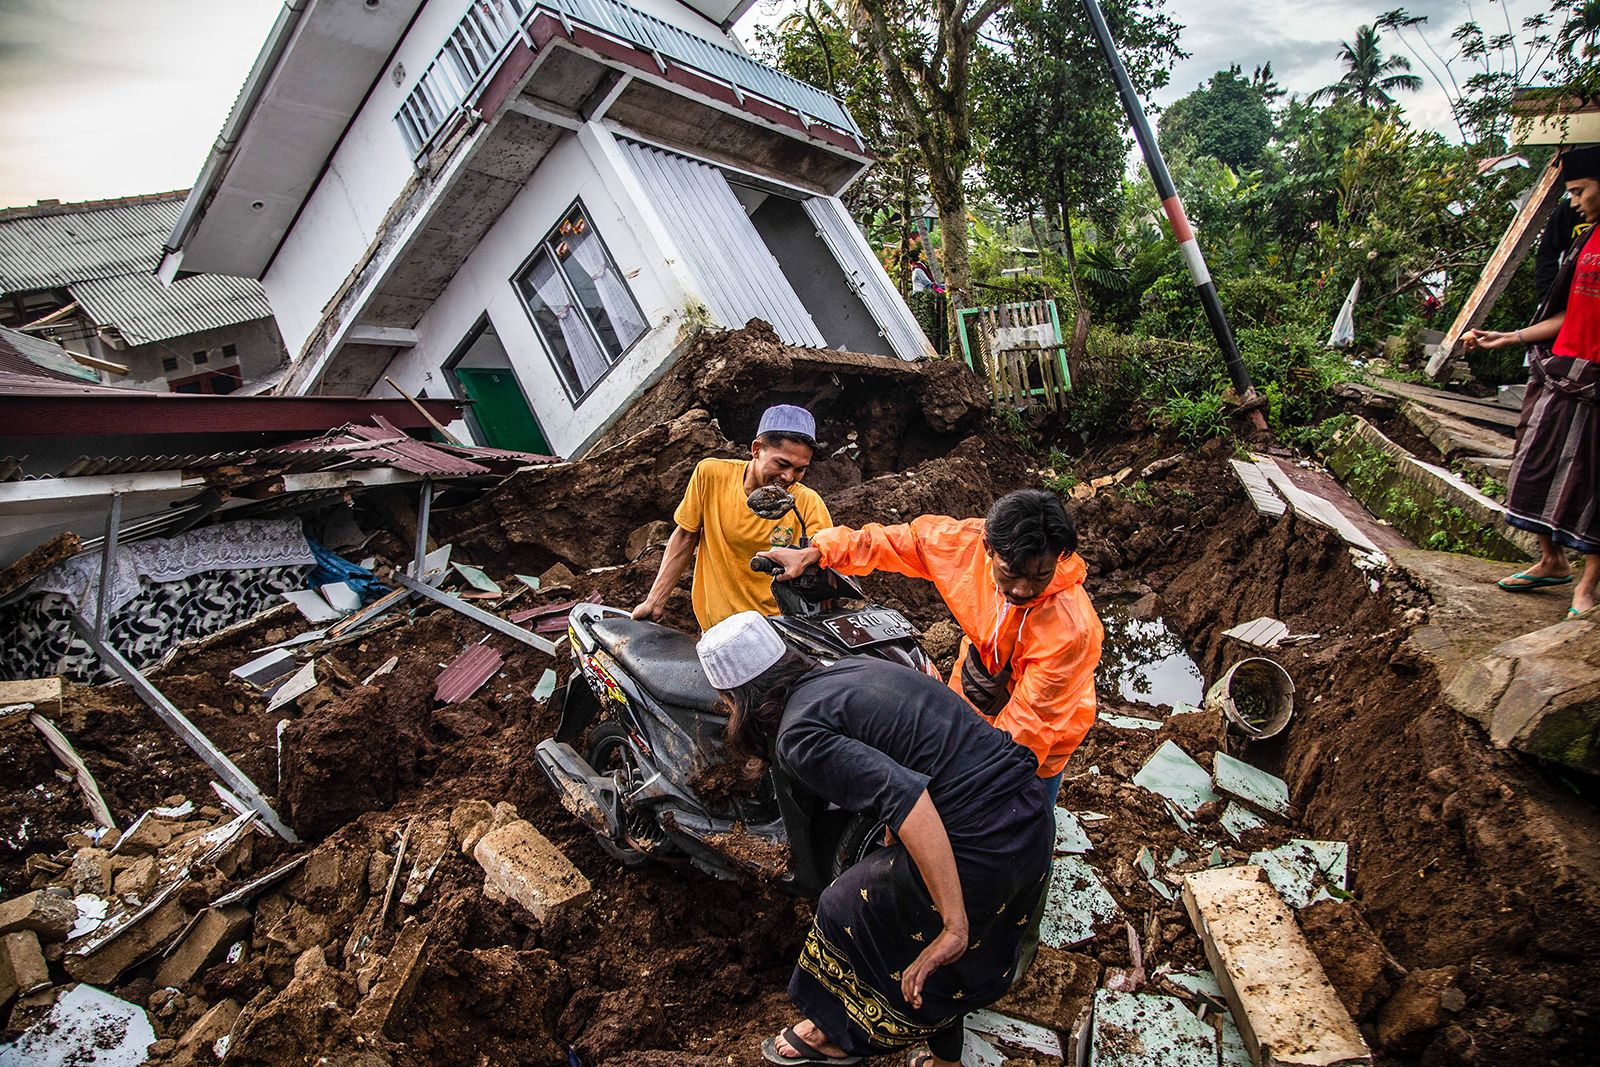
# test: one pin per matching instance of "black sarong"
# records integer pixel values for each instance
(1555, 478)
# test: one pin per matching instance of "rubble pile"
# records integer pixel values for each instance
(442, 908)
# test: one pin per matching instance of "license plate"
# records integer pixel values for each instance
(862, 628)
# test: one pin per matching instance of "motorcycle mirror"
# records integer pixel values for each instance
(770, 502)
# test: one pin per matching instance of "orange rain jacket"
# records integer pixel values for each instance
(1052, 644)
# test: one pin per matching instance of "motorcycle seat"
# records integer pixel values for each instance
(660, 659)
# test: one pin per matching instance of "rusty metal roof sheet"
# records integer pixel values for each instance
(466, 674)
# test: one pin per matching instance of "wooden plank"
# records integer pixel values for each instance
(1454, 437)
(1497, 273)
(1287, 1011)
(58, 743)
(1465, 407)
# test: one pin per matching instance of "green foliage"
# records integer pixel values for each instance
(1195, 419)
(1227, 119)
(1369, 77)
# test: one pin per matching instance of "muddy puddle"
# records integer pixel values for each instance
(1143, 659)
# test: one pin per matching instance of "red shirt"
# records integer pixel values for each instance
(1580, 330)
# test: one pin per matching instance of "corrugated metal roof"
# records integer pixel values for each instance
(25, 353)
(50, 251)
(143, 309)
(261, 459)
(466, 674)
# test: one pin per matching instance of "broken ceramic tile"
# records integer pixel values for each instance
(312, 606)
(1303, 871)
(1127, 722)
(299, 684)
(1076, 904)
(1265, 632)
(1237, 778)
(85, 1026)
(477, 578)
(1239, 820)
(1170, 773)
(1178, 856)
(1232, 1046)
(1070, 835)
(1183, 824)
(262, 671)
(1146, 862)
(545, 686)
(1014, 1032)
(341, 597)
(1142, 1030)
(529, 581)
(978, 1052)
(1162, 889)
(1200, 983)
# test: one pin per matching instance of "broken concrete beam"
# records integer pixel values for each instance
(520, 864)
(22, 966)
(1287, 1010)
(391, 995)
(43, 693)
(212, 931)
(102, 962)
(46, 914)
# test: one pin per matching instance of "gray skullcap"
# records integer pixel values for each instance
(738, 649)
(1579, 163)
(787, 418)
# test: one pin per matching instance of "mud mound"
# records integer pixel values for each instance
(353, 755)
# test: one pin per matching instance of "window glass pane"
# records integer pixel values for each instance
(534, 284)
(597, 283)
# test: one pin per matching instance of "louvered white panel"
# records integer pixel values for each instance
(740, 278)
(867, 277)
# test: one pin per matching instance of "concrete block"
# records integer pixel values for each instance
(90, 872)
(138, 878)
(101, 962)
(520, 864)
(469, 821)
(208, 938)
(391, 994)
(198, 1043)
(49, 916)
(1288, 1012)
(22, 966)
(1478, 687)
(43, 693)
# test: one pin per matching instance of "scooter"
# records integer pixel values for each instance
(652, 780)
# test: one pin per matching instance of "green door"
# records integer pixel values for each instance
(500, 409)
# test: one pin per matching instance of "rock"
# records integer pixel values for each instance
(22, 966)
(101, 963)
(46, 914)
(90, 872)
(520, 864)
(469, 821)
(1146, 607)
(150, 834)
(1360, 968)
(557, 577)
(1414, 1011)
(139, 878)
(1543, 1021)
(941, 641)
(648, 536)
(505, 813)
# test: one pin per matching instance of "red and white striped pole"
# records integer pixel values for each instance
(1181, 230)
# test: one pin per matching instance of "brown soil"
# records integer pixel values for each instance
(1473, 870)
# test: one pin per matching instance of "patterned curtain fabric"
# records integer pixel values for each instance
(588, 361)
(614, 296)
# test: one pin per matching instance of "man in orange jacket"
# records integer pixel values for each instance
(1014, 583)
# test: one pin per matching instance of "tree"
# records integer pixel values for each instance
(1369, 76)
(1227, 119)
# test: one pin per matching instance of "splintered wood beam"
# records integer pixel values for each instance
(1502, 266)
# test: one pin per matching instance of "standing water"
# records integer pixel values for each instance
(1144, 661)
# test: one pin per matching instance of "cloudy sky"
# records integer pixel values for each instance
(103, 98)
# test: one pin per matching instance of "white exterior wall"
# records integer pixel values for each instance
(586, 167)
(370, 169)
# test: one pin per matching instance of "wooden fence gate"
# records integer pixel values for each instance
(1017, 348)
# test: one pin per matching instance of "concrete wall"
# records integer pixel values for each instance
(370, 169)
(260, 352)
(582, 166)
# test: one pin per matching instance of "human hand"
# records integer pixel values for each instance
(649, 611)
(794, 561)
(949, 946)
(1491, 339)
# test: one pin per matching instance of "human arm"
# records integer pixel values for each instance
(674, 561)
(1543, 330)
(902, 549)
(924, 836)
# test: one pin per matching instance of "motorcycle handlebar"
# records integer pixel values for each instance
(766, 565)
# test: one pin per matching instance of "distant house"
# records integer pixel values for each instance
(83, 275)
(534, 204)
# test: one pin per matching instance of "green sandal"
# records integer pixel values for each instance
(1525, 581)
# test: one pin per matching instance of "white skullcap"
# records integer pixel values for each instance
(738, 649)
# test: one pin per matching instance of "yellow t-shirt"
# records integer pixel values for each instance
(730, 534)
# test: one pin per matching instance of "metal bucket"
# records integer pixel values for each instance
(1255, 696)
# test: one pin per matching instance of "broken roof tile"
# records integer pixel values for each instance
(466, 674)
(1170, 773)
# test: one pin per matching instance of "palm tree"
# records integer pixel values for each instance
(1369, 76)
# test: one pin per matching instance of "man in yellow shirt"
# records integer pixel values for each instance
(718, 531)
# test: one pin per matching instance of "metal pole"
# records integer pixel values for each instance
(477, 614)
(1175, 213)
(108, 563)
(424, 511)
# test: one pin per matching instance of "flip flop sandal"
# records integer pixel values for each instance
(917, 1057)
(809, 1053)
(1574, 613)
(1525, 581)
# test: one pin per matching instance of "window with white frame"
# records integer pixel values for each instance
(579, 302)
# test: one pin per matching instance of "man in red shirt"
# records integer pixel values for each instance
(1554, 488)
